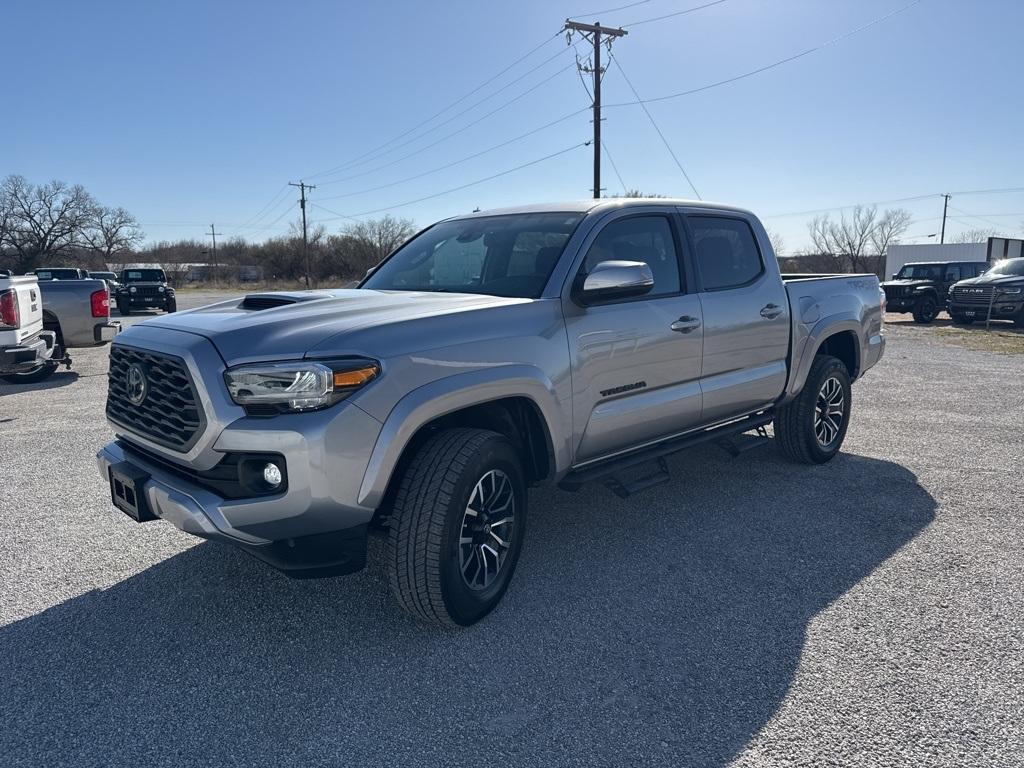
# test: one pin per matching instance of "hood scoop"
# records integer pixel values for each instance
(258, 301)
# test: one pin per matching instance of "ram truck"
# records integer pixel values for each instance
(563, 343)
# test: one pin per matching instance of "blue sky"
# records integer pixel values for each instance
(191, 112)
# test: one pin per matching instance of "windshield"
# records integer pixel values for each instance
(921, 272)
(511, 255)
(1008, 267)
(103, 275)
(143, 275)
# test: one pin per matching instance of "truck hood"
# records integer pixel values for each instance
(907, 283)
(283, 326)
(992, 280)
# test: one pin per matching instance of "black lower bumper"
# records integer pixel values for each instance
(334, 553)
(1001, 310)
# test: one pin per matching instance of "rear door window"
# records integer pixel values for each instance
(727, 255)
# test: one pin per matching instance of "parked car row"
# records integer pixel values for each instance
(968, 290)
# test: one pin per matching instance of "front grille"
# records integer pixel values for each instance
(169, 414)
(147, 290)
(893, 291)
(980, 294)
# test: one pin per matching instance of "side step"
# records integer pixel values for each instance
(609, 472)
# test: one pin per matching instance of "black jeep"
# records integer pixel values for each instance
(144, 289)
(923, 287)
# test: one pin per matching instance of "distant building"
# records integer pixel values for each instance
(992, 250)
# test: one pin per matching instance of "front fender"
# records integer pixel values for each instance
(453, 393)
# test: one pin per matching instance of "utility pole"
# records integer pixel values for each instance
(945, 206)
(303, 186)
(593, 34)
(213, 256)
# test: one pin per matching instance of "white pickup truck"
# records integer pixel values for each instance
(39, 322)
(25, 348)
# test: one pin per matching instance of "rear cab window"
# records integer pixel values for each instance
(726, 252)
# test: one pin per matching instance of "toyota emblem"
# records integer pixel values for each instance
(137, 386)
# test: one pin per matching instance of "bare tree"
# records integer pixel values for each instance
(370, 241)
(778, 243)
(48, 219)
(111, 231)
(888, 229)
(979, 235)
(634, 192)
(856, 242)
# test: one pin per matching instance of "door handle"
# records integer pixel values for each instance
(771, 311)
(685, 324)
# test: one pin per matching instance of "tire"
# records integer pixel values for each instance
(443, 495)
(796, 423)
(41, 373)
(925, 310)
(171, 306)
(123, 310)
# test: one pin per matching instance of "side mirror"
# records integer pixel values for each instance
(894, 276)
(615, 280)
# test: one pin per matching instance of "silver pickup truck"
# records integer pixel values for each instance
(546, 344)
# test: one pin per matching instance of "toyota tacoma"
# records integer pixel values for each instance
(493, 351)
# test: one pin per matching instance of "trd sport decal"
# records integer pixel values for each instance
(623, 388)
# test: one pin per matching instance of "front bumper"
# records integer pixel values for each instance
(1003, 308)
(28, 355)
(309, 552)
(141, 302)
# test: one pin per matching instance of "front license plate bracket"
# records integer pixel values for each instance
(127, 491)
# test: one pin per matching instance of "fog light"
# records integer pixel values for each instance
(272, 475)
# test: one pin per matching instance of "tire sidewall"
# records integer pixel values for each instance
(926, 317)
(834, 368)
(466, 606)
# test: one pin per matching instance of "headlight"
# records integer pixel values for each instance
(160, 288)
(133, 289)
(1010, 290)
(298, 386)
(922, 287)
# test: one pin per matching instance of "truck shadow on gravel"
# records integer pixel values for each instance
(56, 381)
(663, 630)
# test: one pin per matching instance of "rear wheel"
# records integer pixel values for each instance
(41, 372)
(811, 428)
(926, 309)
(457, 526)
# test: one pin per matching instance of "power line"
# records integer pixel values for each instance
(275, 200)
(447, 136)
(1002, 190)
(458, 101)
(592, 14)
(774, 64)
(369, 157)
(454, 189)
(446, 166)
(614, 166)
(676, 13)
(650, 117)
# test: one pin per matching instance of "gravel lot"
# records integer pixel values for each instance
(752, 612)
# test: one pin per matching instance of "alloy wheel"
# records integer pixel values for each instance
(488, 527)
(829, 411)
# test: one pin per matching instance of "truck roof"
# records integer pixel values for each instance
(600, 205)
(955, 261)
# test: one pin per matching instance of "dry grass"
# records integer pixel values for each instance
(1004, 339)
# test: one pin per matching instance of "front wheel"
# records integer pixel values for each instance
(123, 309)
(41, 372)
(457, 526)
(925, 310)
(811, 428)
(171, 306)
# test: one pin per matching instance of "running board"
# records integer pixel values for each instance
(609, 471)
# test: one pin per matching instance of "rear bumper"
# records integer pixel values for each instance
(29, 354)
(305, 552)
(104, 333)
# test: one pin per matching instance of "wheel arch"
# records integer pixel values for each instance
(523, 408)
